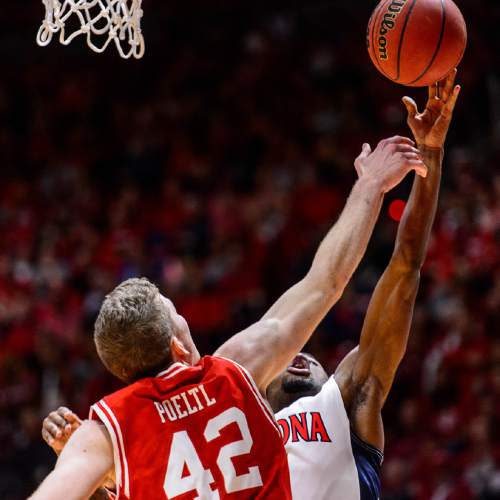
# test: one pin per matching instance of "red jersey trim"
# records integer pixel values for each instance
(122, 445)
(255, 391)
(121, 466)
(111, 494)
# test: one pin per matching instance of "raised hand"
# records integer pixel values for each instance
(390, 162)
(431, 126)
(58, 427)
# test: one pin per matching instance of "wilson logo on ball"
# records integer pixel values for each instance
(416, 42)
(388, 23)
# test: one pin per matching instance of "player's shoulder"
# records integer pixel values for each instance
(224, 365)
(233, 372)
(221, 363)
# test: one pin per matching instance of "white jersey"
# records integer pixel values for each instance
(327, 461)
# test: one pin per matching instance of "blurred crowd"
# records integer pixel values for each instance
(214, 166)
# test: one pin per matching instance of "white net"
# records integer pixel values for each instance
(102, 22)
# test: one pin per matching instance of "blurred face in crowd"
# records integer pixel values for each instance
(303, 377)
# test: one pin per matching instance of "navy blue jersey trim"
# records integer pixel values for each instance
(369, 448)
(368, 461)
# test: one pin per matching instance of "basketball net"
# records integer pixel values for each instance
(101, 21)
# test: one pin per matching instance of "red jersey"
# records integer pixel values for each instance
(198, 432)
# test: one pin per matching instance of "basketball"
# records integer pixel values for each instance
(416, 42)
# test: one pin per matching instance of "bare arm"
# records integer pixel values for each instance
(366, 375)
(267, 347)
(57, 428)
(82, 467)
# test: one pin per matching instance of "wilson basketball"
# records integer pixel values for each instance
(416, 42)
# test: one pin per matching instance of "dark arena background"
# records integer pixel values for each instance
(214, 166)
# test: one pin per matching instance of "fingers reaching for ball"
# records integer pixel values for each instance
(389, 163)
(430, 127)
(443, 89)
(411, 106)
(358, 163)
(451, 102)
(447, 85)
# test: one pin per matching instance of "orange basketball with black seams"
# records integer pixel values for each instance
(416, 42)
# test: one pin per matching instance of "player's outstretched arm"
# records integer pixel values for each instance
(366, 375)
(267, 347)
(82, 467)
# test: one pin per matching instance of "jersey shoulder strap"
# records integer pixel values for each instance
(102, 413)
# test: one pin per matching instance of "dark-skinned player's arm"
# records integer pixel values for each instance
(83, 465)
(366, 375)
(267, 347)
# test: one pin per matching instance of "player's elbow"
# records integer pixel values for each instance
(408, 260)
(272, 326)
(407, 286)
(327, 286)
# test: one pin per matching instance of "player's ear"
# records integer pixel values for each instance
(178, 350)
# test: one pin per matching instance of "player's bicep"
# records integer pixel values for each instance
(385, 330)
(82, 467)
(91, 443)
(88, 456)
